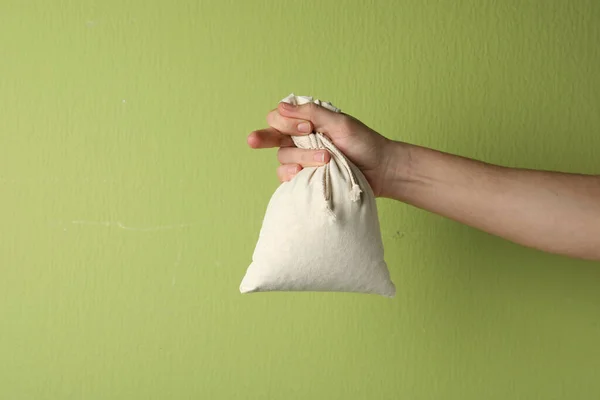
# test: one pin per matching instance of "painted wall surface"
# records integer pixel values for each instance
(131, 204)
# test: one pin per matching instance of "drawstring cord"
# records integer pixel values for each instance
(355, 190)
(320, 141)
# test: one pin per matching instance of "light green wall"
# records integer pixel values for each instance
(131, 204)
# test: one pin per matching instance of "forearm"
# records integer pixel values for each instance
(550, 211)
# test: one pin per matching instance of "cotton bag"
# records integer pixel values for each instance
(321, 230)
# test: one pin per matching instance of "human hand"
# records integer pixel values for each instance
(367, 149)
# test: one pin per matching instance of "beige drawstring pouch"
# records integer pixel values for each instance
(321, 231)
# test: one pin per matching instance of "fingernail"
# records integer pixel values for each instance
(319, 157)
(288, 105)
(304, 127)
(293, 169)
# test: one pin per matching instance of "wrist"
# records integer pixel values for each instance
(396, 169)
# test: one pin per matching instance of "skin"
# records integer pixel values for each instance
(550, 211)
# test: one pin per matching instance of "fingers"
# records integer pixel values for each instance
(266, 138)
(305, 158)
(294, 159)
(289, 126)
(321, 118)
(287, 172)
(295, 120)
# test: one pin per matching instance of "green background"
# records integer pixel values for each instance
(131, 204)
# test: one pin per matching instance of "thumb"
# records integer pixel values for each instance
(323, 120)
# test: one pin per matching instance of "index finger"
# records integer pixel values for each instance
(322, 119)
(289, 126)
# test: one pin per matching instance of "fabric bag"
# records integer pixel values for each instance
(321, 230)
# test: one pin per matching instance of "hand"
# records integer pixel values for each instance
(367, 149)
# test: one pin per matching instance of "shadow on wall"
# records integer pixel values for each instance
(478, 282)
